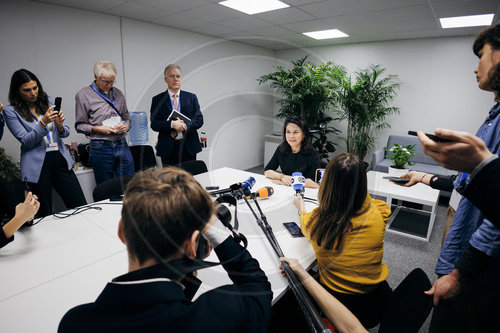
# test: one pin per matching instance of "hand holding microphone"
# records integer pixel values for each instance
(298, 182)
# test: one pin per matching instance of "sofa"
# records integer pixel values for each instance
(424, 163)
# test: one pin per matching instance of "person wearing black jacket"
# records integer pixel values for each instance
(165, 211)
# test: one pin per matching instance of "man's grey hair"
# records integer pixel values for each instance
(171, 66)
(104, 68)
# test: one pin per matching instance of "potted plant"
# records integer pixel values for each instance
(364, 103)
(401, 156)
(309, 91)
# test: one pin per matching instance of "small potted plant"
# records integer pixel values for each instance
(401, 156)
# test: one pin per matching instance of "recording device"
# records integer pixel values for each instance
(431, 136)
(57, 104)
(397, 179)
(319, 175)
(298, 182)
(293, 229)
(245, 186)
(263, 192)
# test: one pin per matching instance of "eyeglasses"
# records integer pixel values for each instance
(107, 82)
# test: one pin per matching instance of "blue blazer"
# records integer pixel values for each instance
(33, 149)
(160, 110)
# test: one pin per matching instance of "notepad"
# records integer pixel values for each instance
(177, 115)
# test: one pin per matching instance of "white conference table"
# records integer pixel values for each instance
(60, 263)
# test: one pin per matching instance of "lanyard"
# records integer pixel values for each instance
(112, 102)
(178, 101)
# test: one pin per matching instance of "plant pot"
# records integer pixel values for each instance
(397, 172)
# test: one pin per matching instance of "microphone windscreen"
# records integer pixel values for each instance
(298, 181)
(249, 183)
(265, 192)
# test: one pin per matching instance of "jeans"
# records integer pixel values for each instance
(110, 159)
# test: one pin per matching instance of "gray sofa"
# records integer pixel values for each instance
(423, 163)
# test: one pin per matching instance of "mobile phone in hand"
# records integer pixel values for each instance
(293, 229)
(57, 104)
(431, 136)
(397, 179)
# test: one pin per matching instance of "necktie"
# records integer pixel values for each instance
(175, 102)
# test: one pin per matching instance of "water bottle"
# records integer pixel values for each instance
(138, 133)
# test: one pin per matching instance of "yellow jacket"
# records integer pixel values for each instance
(357, 266)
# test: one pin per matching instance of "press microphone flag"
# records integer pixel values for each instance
(298, 182)
(263, 192)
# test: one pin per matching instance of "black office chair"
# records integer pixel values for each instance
(144, 157)
(111, 187)
(193, 167)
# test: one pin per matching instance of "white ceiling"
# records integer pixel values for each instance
(362, 20)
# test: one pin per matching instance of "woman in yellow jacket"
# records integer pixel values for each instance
(347, 233)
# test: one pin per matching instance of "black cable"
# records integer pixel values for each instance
(78, 210)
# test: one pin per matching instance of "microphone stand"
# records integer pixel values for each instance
(309, 310)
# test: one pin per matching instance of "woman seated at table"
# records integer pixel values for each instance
(294, 154)
(347, 234)
(25, 212)
(45, 161)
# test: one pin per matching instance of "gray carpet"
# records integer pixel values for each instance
(403, 254)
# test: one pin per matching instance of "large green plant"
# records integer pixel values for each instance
(364, 103)
(308, 90)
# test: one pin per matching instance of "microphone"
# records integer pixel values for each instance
(245, 186)
(263, 192)
(298, 182)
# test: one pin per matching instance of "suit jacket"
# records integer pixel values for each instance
(484, 189)
(150, 300)
(161, 108)
(33, 148)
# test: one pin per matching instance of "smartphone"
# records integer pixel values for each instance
(319, 175)
(397, 179)
(293, 229)
(431, 136)
(57, 104)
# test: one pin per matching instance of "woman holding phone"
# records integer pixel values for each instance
(347, 234)
(45, 161)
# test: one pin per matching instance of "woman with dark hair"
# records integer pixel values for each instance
(45, 161)
(347, 234)
(294, 154)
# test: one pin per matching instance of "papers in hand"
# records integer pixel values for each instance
(177, 115)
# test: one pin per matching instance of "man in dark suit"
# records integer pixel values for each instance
(165, 212)
(177, 139)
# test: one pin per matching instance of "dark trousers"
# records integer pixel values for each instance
(409, 307)
(475, 309)
(369, 307)
(179, 154)
(55, 174)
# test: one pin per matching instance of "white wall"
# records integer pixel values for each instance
(60, 45)
(438, 84)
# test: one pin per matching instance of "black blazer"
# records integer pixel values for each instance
(160, 110)
(161, 306)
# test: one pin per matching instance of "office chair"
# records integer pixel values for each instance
(111, 187)
(193, 167)
(144, 157)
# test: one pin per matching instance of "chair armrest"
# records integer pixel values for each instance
(377, 157)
